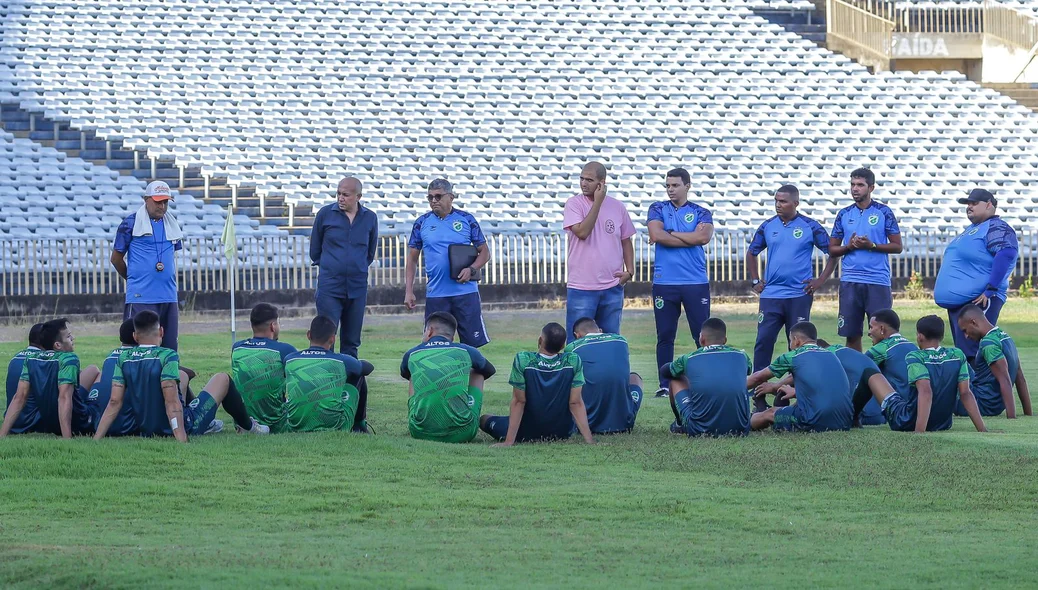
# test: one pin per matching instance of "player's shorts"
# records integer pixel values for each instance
(721, 425)
(83, 418)
(786, 420)
(988, 402)
(497, 427)
(468, 310)
(858, 301)
(465, 434)
(872, 414)
(200, 413)
(899, 413)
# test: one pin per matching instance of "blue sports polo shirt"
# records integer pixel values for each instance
(144, 283)
(790, 245)
(875, 222)
(433, 236)
(968, 261)
(684, 265)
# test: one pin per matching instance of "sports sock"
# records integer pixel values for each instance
(234, 405)
(674, 408)
(362, 403)
(862, 395)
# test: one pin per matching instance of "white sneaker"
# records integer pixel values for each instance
(662, 392)
(214, 427)
(257, 428)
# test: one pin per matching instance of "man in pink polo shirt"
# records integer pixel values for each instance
(600, 258)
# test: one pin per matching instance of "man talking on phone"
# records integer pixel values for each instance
(599, 255)
(457, 294)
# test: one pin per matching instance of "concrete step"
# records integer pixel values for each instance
(101, 153)
(254, 211)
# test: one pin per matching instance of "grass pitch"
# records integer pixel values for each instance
(864, 508)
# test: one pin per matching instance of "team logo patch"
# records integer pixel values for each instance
(472, 401)
(610, 226)
(636, 396)
(457, 226)
(193, 404)
(801, 319)
(760, 317)
(345, 396)
(659, 303)
(689, 217)
(704, 301)
(840, 322)
(798, 233)
(973, 231)
(873, 219)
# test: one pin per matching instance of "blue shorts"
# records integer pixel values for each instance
(497, 427)
(988, 402)
(899, 413)
(467, 309)
(719, 425)
(83, 421)
(858, 302)
(200, 413)
(786, 420)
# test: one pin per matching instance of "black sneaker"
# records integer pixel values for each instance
(662, 392)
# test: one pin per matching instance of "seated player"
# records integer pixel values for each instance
(147, 379)
(708, 386)
(258, 368)
(862, 375)
(546, 396)
(52, 380)
(14, 371)
(935, 374)
(819, 385)
(325, 390)
(101, 392)
(612, 393)
(445, 383)
(890, 353)
(996, 368)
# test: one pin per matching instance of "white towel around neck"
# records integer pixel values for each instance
(142, 225)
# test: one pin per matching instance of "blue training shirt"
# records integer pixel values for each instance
(14, 371)
(433, 236)
(607, 376)
(876, 222)
(719, 403)
(968, 261)
(145, 284)
(790, 245)
(685, 265)
(821, 385)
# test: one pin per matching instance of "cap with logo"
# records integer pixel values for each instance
(158, 191)
(979, 195)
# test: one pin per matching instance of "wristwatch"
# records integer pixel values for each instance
(755, 282)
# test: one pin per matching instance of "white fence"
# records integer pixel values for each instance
(81, 266)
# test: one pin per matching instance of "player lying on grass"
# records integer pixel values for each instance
(612, 393)
(996, 367)
(546, 394)
(819, 385)
(890, 353)
(935, 373)
(325, 390)
(258, 369)
(444, 383)
(708, 386)
(147, 380)
(52, 387)
(14, 371)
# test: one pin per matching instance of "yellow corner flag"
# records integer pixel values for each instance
(230, 245)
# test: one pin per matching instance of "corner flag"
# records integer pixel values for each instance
(230, 251)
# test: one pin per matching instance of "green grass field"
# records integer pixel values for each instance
(867, 508)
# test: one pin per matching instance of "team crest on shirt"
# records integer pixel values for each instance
(798, 233)
(840, 322)
(457, 226)
(689, 217)
(659, 303)
(973, 231)
(873, 219)
(610, 226)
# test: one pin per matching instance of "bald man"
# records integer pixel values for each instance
(600, 254)
(342, 245)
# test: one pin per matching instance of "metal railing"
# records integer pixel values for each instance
(1010, 25)
(925, 19)
(867, 30)
(81, 266)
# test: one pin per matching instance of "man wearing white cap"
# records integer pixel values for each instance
(143, 255)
